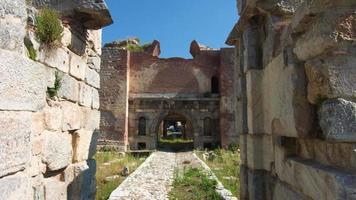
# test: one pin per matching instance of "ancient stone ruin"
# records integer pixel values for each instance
(140, 93)
(49, 105)
(296, 111)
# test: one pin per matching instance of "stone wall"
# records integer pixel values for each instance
(296, 98)
(47, 144)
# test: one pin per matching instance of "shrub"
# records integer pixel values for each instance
(52, 92)
(48, 27)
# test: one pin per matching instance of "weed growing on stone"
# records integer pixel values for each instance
(52, 92)
(48, 27)
(109, 167)
(226, 167)
(194, 184)
(31, 51)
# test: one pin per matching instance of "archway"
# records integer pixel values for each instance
(175, 132)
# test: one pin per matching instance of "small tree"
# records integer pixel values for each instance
(48, 27)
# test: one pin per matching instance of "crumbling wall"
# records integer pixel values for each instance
(296, 90)
(47, 143)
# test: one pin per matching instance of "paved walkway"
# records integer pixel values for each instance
(153, 179)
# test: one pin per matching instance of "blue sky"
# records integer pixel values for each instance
(175, 23)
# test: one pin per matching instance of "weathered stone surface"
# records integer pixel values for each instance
(56, 58)
(259, 152)
(57, 150)
(283, 192)
(53, 118)
(94, 63)
(55, 190)
(69, 88)
(92, 78)
(12, 23)
(254, 102)
(15, 187)
(95, 99)
(91, 119)
(94, 40)
(256, 184)
(71, 116)
(77, 66)
(84, 145)
(85, 95)
(338, 120)
(331, 78)
(24, 83)
(83, 185)
(15, 148)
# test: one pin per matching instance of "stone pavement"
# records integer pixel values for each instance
(153, 178)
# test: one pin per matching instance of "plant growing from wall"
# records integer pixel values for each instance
(31, 51)
(137, 48)
(48, 27)
(52, 92)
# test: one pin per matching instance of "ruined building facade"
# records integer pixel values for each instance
(296, 108)
(47, 143)
(140, 90)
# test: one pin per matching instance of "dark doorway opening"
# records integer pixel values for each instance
(215, 85)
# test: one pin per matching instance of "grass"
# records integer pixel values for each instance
(111, 163)
(48, 27)
(194, 184)
(226, 166)
(52, 92)
(31, 51)
(176, 140)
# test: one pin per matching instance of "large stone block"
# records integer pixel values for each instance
(259, 152)
(56, 58)
(53, 117)
(331, 77)
(85, 95)
(94, 38)
(256, 184)
(71, 116)
(83, 185)
(96, 99)
(94, 62)
(91, 119)
(15, 187)
(84, 145)
(318, 181)
(69, 88)
(77, 66)
(286, 110)
(282, 192)
(57, 150)
(92, 78)
(338, 120)
(23, 83)
(254, 102)
(55, 190)
(15, 147)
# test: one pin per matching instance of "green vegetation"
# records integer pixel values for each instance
(176, 140)
(137, 48)
(194, 184)
(226, 166)
(31, 51)
(52, 92)
(48, 27)
(111, 163)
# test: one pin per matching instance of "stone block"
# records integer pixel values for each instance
(83, 184)
(85, 95)
(256, 184)
(251, 54)
(57, 150)
(96, 99)
(15, 187)
(15, 141)
(259, 152)
(243, 182)
(71, 116)
(94, 63)
(53, 118)
(318, 181)
(84, 145)
(69, 88)
(77, 66)
(338, 120)
(243, 149)
(56, 58)
(12, 32)
(331, 77)
(286, 110)
(92, 78)
(282, 192)
(24, 83)
(91, 119)
(66, 37)
(55, 190)
(254, 102)
(94, 38)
